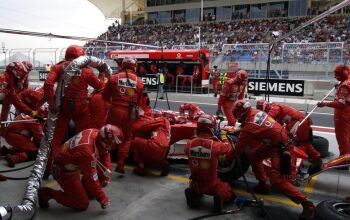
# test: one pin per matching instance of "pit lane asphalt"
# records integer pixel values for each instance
(321, 116)
(154, 197)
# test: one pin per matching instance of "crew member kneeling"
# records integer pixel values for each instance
(203, 152)
(151, 143)
(86, 153)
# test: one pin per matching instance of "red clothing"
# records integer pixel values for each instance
(215, 78)
(232, 90)
(151, 142)
(98, 110)
(341, 105)
(53, 77)
(98, 107)
(194, 111)
(25, 136)
(32, 98)
(74, 104)
(260, 128)
(286, 114)
(76, 156)
(123, 91)
(203, 153)
(8, 95)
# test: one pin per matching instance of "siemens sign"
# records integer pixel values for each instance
(150, 81)
(276, 87)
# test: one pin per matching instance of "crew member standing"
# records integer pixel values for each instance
(215, 77)
(232, 90)
(124, 91)
(341, 105)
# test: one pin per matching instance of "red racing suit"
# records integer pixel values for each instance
(124, 92)
(79, 155)
(98, 107)
(261, 128)
(194, 111)
(74, 104)
(151, 140)
(289, 116)
(232, 90)
(341, 105)
(8, 96)
(24, 137)
(203, 153)
(32, 98)
(215, 78)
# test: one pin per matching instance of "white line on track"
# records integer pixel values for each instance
(211, 104)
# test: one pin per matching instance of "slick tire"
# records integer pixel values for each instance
(333, 209)
(321, 144)
(235, 172)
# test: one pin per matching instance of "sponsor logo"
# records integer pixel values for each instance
(259, 118)
(151, 81)
(200, 152)
(276, 87)
(127, 83)
(43, 75)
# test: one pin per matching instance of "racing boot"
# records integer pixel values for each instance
(44, 197)
(308, 210)
(316, 165)
(192, 198)
(164, 168)
(218, 203)
(16, 158)
(262, 188)
(139, 170)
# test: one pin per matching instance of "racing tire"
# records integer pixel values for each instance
(235, 172)
(332, 209)
(321, 144)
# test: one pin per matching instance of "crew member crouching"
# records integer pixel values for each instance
(203, 152)
(86, 153)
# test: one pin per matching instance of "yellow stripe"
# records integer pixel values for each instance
(51, 184)
(310, 186)
(307, 189)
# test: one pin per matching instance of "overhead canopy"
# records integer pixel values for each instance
(114, 8)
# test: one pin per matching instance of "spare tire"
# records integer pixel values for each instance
(234, 172)
(333, 209)
(321, 144)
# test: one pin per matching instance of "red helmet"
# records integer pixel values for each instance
(260, 104)
(129, 63)
(263, 105)
(73, 52)
(28, 65)
(17, 69)
(205, 122)
(170, 116)
(342, 72)
(110, 136)
(242, 75)
(241, 109)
